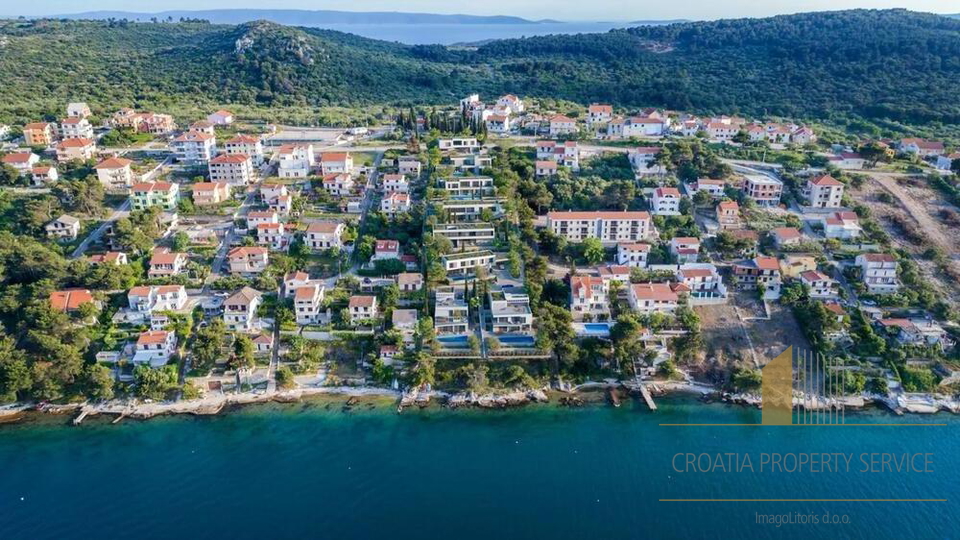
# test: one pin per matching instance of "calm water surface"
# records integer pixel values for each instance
(302, 471)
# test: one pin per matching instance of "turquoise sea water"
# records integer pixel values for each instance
(303, 471)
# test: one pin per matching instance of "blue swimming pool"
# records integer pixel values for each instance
(517, 341)
(453, 341)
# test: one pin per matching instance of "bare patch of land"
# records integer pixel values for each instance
(917, 219)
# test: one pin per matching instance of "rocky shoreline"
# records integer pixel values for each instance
(573, 397)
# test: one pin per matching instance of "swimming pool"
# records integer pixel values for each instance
(460, 341)
(593, 329)
(516, 341)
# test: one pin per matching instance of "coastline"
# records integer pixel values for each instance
(589, 393)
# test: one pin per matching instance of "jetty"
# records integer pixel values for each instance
(647, 397)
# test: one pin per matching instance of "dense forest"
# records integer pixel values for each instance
(878, 65)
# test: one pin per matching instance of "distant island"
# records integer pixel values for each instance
(303, 17)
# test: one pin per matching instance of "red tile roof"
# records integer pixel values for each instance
(70, 299)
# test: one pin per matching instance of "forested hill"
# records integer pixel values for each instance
(890, 64)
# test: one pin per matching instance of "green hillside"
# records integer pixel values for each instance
(879, 65)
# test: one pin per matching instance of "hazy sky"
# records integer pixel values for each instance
(594, 10)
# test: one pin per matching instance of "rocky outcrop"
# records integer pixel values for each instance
(497, 401)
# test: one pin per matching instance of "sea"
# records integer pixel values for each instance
(317, 470)
(450, 34)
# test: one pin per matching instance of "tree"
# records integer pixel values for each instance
(207, 344)
(381, 373)
(285, 378)
(154, 384)
(98, 381)
(181, 241)
(593, 251)
(474, 343)
(556, 333)
(243, 353)
(15, 375)
(424, 370)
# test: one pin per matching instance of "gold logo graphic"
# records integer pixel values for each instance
(814, 396)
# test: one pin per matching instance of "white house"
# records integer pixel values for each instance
(272, 235)
(233, 169)
(295, 160)
(64, 227)
(641, 126)
(240, 310)
(248, 260)
(23, 162)
(653, 297)
(155, 347)
(221, 118)
(685, 248)
(588, 298)
(466, 263)
(336, 162)
(562, 125)
(166, 263)
(246, 145)
(545, 168)
(666, 201)
(194, 148)
(150, 298)
(76, 128)
(633, 254)
(115, 171)
(841, 225)
(511, 102)
(43, 174)
(324, 235)
(308, 303)
(78, 109)
(395, 203)
(821, 285)
(824, 191)
(608, 226)
(498, 123)
(338, 184)
(385, 250)
(643, 160)
(362, 308)
(878, 272)
(396, 183)
(599, 114)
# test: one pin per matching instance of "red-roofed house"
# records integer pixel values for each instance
(588, 298)
(222, 117)
(23, 162)
(272, 235)
(824, 191)
(165, 263)
(666, 201)
(362, 308)
(324, 235)
(761, 271)
(210, 193)
(41, 175)
(155, 347)
(39, 134)
(386, 249)
(71, 299)
(633, 254)
(246, 145)
(71, 149)
(598, 114)
(786, 236)
(194, 148)
(248, 260)
(820, 284)
(234, 169)
(878, 272)
(545, 167)
(308, 303)
(147, 194)
(685, 248)
(115, 171)
(609, 226)
(651, 297)
(728, 215)
(336, 162)
(562, 125)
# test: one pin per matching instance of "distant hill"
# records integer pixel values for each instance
(300, 17)
(865, 64)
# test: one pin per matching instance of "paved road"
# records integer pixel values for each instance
(122, 211)
(240, 212)
(367, 202)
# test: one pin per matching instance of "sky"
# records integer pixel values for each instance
(566, 10)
